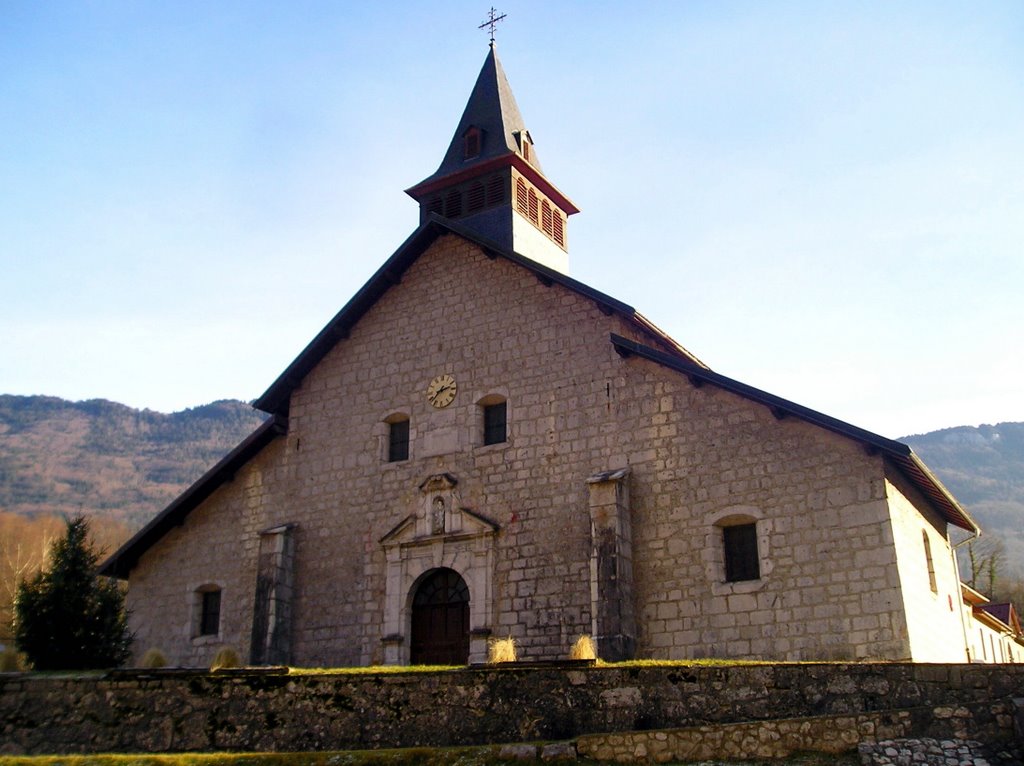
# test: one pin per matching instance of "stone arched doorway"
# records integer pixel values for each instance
(440, 620)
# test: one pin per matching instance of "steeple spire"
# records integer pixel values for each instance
(490, 178)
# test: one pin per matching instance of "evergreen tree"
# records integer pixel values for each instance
(67, 617)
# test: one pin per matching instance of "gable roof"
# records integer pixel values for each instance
(897, 452)
(275, 399)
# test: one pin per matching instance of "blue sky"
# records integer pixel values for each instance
(823, 200)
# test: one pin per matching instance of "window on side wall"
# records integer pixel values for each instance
(207, 611)
(739, 542)
(930, 563)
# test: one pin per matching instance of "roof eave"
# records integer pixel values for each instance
(442, 180)
(965, 520)
(122, 561)
(900, 454)
(275, 398)
(991, 620)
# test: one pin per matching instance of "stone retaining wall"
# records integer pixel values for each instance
(784, 738)
(172, 711)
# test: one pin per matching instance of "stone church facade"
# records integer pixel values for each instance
(480, 446)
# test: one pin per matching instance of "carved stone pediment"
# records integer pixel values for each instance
(438, 513)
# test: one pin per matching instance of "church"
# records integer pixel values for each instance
(479, 446)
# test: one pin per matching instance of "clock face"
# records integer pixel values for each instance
(441, 391)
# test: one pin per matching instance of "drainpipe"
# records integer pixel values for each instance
(959, 595)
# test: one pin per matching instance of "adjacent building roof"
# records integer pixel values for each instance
(1004, 613)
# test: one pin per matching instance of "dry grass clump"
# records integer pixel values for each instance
(583, 649)
(225, 658)
(501, 650)
(153, 659)
(11, 661)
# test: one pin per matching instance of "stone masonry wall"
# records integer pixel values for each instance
(173, 711)
(698, 458)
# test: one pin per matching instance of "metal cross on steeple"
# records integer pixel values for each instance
(492, 21)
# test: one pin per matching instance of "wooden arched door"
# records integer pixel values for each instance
(440, 620)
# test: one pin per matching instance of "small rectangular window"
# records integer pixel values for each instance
(741, 559)
(495, 423)
(398, 441)
(209, 620)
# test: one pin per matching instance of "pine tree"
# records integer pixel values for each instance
(67, 617)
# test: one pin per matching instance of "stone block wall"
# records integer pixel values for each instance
(784, 738)
(174, 711)
(697, 458)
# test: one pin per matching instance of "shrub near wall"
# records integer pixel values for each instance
(173, 711)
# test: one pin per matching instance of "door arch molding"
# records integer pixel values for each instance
(439, 619)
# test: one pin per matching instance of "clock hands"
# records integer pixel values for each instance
(441, 390)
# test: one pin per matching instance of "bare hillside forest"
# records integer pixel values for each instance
(121, 466)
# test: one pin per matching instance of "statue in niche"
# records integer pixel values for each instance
(437, 517)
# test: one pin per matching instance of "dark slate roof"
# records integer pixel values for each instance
(127, 556)
(898, 453)
(1004, 612)
(492, 108)
(275, 399)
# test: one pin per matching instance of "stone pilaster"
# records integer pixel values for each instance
(272, 612)
(611, 566)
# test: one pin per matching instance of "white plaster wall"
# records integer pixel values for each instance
(530, 241)
(934, 620)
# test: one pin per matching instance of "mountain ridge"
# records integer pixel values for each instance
(101, 457)
(104, 458)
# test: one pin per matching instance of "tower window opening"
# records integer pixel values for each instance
(541, 212)
(435, 205)
(522, 203)
(453, 204)
(475, 198)
(495, 190)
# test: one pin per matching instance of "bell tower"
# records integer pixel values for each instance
(490, 179)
